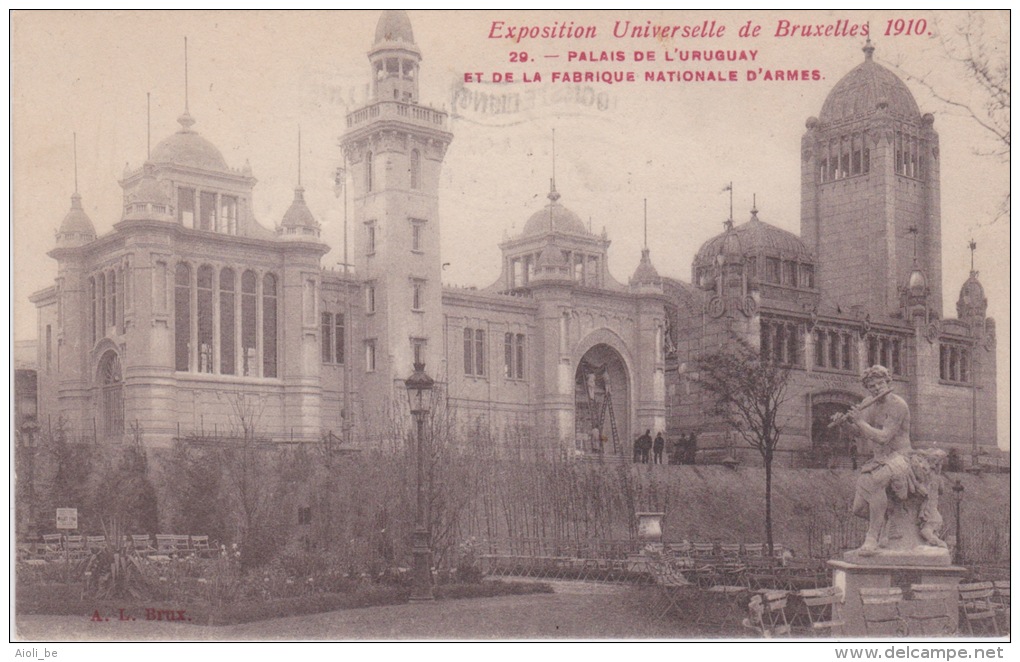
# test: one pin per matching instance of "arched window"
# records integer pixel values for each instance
(205, 318)
(182, 317)
(249, 323)
(111, 385)
(101, 318)
(415, 169)
(113, 298)
(368, 171)
(227, 358)
(269, 325)
(92, 317)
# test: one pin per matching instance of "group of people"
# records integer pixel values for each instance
(646, 449)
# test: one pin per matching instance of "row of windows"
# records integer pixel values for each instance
(845, 156)
(210, 301)
(782, 343)
(909, 159)
(207, 210)
(954, 363)
(417, 296)
(106, 303)
(886, 351)
(787, 272)
(835, 349)
(584, 268)
(417, 236)
(514, 358)
(333, 338)
(414, 169)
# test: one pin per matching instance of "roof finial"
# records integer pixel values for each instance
(868, 49)
(754, 206)
(186, 120)
(728, 223)
(646, 223)
(299, 156)
(973, 247)
(75, 147)
(148, 125)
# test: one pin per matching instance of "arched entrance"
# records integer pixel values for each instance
(111, 395)
(602, 402)
(828, 443)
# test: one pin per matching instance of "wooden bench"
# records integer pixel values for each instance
(169, 543)
(95, 542)
(200, 545)
(53, 544)
(141, 543)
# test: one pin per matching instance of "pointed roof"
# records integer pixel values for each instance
(76, 228)
(394, 25)
(554, 217)
(298, 215)
(646, 273)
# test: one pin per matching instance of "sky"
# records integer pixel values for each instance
(255, 77)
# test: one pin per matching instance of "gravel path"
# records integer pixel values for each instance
(575, 611)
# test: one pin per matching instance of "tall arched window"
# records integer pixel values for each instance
(368, 171)
(269, 325)
(227, 358)
(182, 317)
(111, 384)
(92, 317)
(205, 318)
(415, 169)
(249, 323)
(101, 318)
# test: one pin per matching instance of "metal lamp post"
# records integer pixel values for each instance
(419, 397)
(958, 552)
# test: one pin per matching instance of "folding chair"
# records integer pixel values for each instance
(756, 616)
(977, 608)
(669, 581)
(823, 611)
(775, 612)
(927, 611)
(881, 611)
(1001, 603)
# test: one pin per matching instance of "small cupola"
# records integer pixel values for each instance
(76, 229)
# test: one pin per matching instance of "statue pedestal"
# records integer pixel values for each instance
(887, 570)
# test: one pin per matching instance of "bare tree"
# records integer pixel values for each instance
(748, 391)
(978, 50)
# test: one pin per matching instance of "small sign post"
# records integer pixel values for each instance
(67, 518)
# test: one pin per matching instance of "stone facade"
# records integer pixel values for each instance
(192, 319)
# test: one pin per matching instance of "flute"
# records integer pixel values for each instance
(837, 419)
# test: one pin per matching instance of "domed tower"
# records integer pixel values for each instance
(869, 172)
(147, 199)
(76, 229)
(393, 150)
(555, 229)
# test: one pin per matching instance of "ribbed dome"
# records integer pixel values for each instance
(394, 25)
(754, 236)
(187, 148)
(646, 273)
(972, 299)
(76, 228)
(859, 93)
(555, 216)
(299, 215)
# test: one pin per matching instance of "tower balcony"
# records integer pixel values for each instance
(407, 112)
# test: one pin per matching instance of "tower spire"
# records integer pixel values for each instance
(75, 148)
(646, 223)
(728, 223)
(148, 125)
(869, 49)
(299, 156)
(185, 74)
(973, 247)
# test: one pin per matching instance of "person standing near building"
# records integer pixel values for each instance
(657, 448)
(644, 446)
